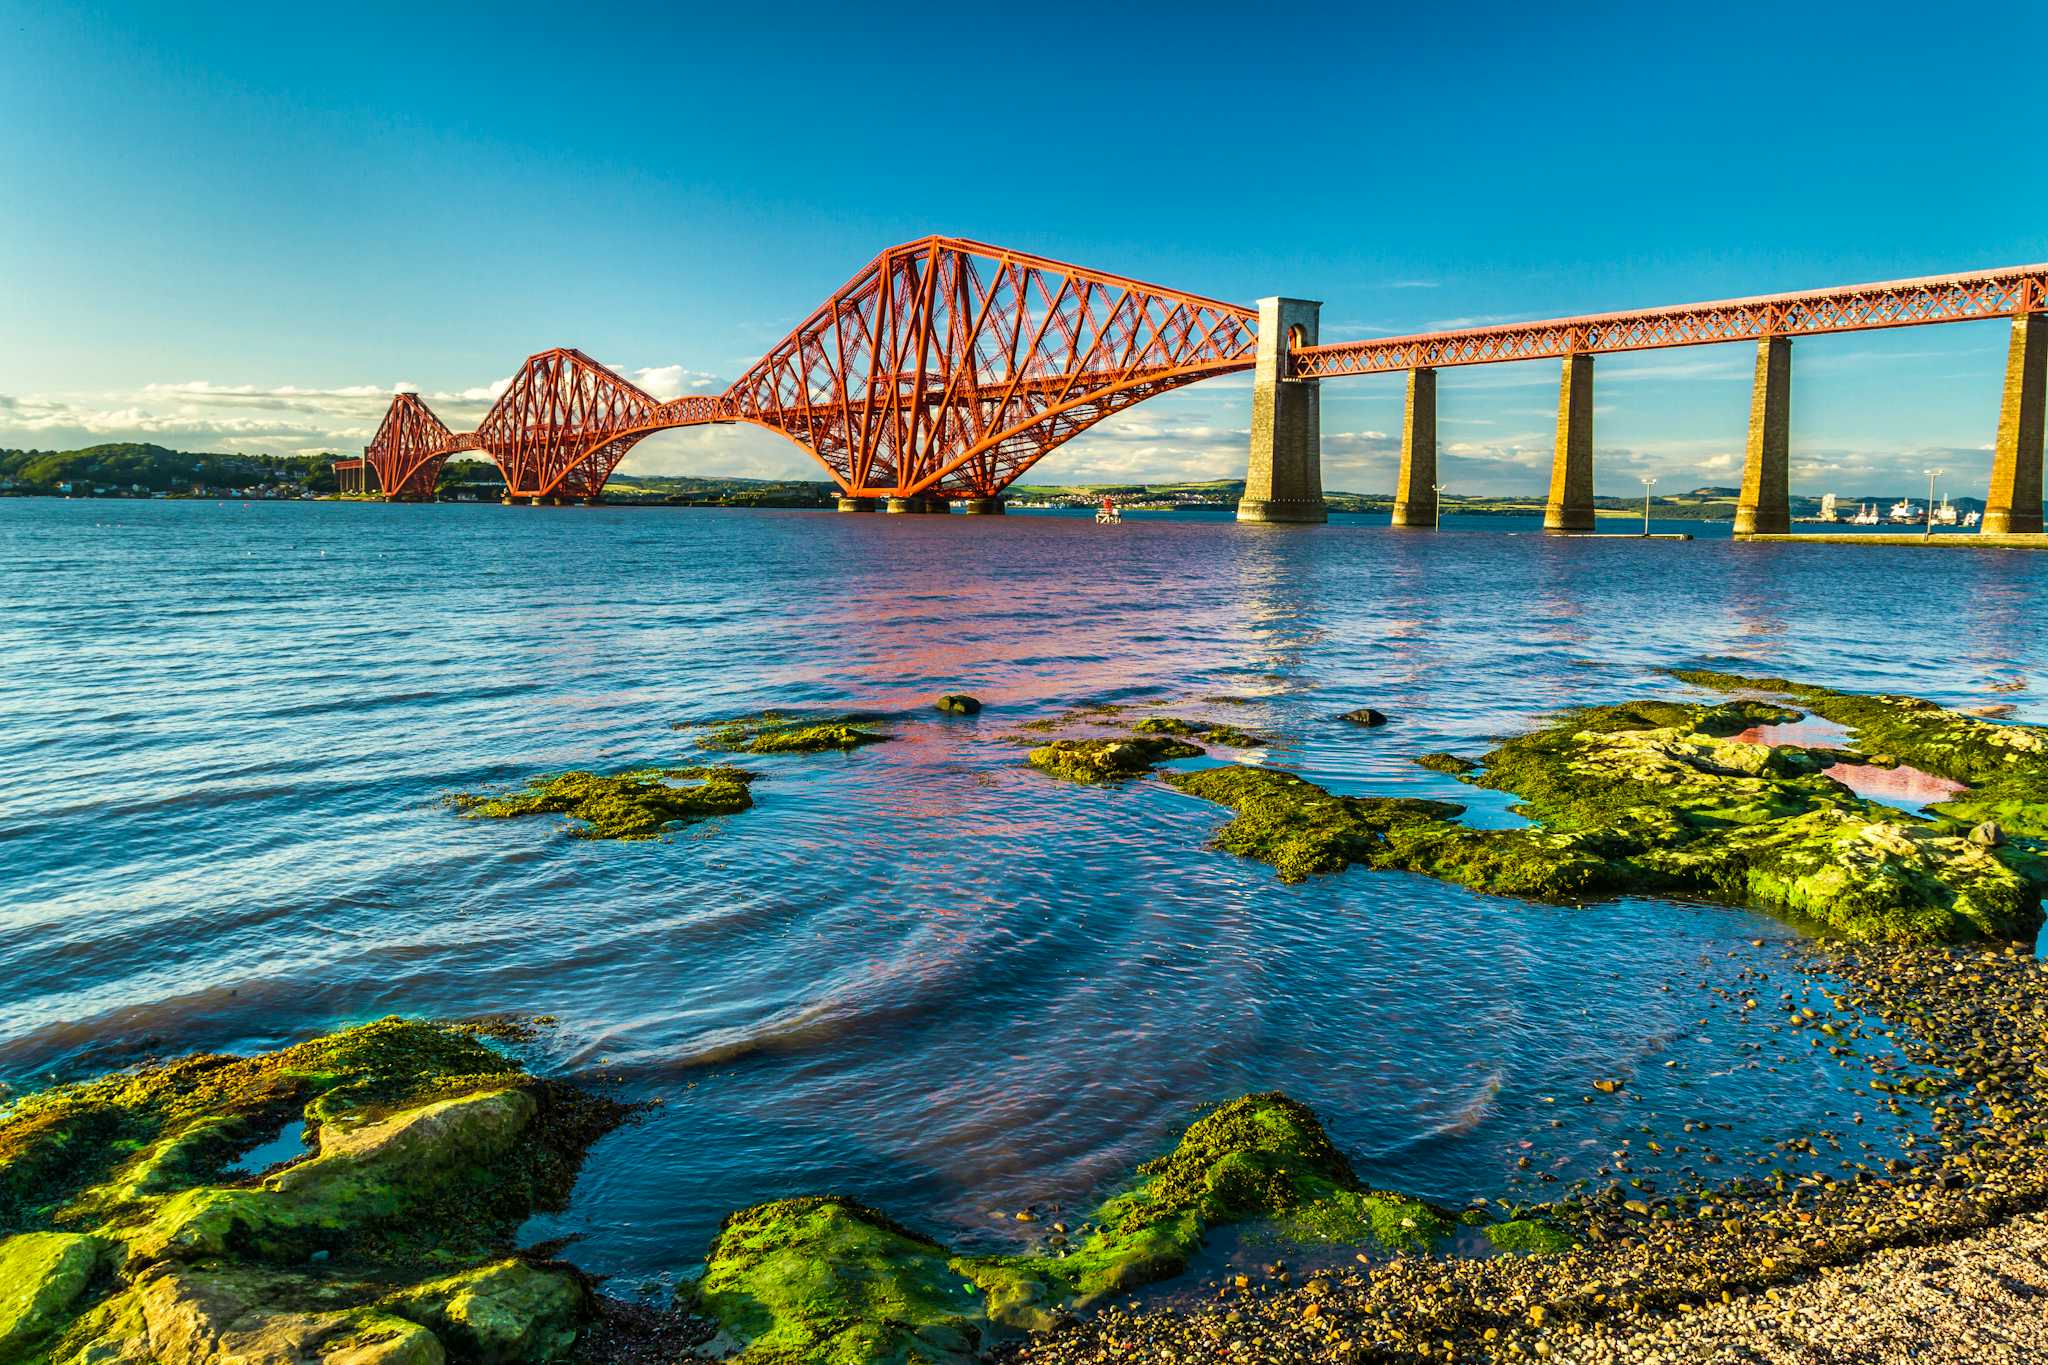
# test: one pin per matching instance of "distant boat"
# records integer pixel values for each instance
(1904, 511)
(1866, 515)
(1946, 514)
(1108, 515)
(1971, 519)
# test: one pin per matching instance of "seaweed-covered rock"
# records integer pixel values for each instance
(505, 1312)
(833, 1282)
(1529, 1237)
(182, 1315)
(958, 704)
(1214, 732)
(777, 732)
(1108, 760)
(384, 1245)
(1661, 798)
(43, 1276)
(643, 803)
(829, 1280)
(1446, 763)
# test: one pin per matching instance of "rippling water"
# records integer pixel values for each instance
(920, 973)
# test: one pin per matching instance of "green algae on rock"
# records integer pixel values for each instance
(384, 1242)
(641, 803)
(1108, 760)
(2005, 766)
(778, 732)
(1214, 732)
(829, 1280)
(958, 704)
(1659, 798)
(43, 1277)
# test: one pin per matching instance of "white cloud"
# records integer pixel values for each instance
(664, 382)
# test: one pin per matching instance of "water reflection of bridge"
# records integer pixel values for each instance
(946, 368)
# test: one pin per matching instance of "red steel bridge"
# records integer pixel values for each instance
(946, 368)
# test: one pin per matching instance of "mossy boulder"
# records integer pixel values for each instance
(1108, 760)
(642, 803)
(43, 1278)
(830, 1280)
(385, 1242)
(499, 1314)
(1213, 732)
(1662, 798)
(186, 1315)
(958, 704)
(1528, 1237)
(778, 732)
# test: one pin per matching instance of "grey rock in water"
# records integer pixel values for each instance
(1365, 715)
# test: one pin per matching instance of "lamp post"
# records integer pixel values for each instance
(1648, 484)
(1932, 475)
(1436, 502)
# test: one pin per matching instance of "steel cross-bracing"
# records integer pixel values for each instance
(947, 368)
(944, 367)
(1850, 308)
(409, 448)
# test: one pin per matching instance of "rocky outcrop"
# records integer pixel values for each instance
(135, 1239)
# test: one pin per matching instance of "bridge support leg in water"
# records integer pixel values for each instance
(856, 504)
(1571, 468)
(1284, 480)
(983, 507)
(1415, 489)
(1765, 507)
(2014, 507)
(920, 503)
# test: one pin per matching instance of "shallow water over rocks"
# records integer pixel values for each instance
(921, 973)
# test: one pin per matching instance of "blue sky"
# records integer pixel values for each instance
(239, 227)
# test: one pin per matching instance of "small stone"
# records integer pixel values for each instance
(1366, 716)
(958, 704)
(1989, 834)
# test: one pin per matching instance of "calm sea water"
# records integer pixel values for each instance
(920, 974)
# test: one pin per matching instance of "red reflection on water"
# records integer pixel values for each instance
(1809, 732)
(1903, 786)
(1900, 786)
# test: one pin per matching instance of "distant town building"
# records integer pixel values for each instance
(1827, 508)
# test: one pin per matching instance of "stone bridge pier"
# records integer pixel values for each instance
(1284, 480)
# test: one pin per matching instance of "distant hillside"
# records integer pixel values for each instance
(132, 467)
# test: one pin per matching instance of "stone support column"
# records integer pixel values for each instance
(2014, 507)
(1284, 478)
(1571, 467)
(1765, 507)
(1415, 489)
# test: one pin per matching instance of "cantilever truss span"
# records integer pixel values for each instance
(944, 367)
(948, 367)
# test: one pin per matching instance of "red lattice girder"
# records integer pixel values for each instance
(1851, 308)
(563, 425)
(409, 448)
(952, 366)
